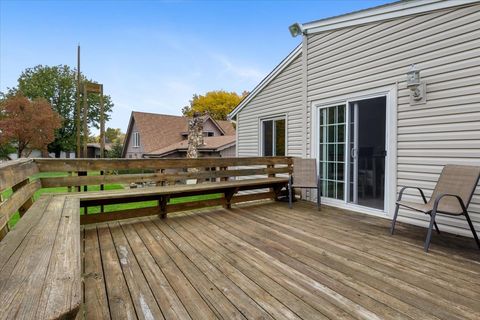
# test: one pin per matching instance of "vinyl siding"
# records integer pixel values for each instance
(445, 45)
(228, 152)
(282, 96)
(134, 152)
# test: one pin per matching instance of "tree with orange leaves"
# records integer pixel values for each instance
(27, 124)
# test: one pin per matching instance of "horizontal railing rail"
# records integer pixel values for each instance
(70, 165)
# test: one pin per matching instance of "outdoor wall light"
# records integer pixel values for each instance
(418, 92)
(296, 29)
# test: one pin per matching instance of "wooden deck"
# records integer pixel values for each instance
(268, 262)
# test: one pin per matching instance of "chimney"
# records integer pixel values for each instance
(195, 135)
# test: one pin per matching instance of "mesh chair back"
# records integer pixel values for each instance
(304, 173)
(458, 180)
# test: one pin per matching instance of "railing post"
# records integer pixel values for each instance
(102, 187)
(27, 203)
(4, 230)
(223, 169)
(271, 166)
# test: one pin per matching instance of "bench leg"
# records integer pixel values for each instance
(228, 197)
(277, 190)
(163, 206)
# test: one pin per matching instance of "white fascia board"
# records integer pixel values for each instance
(384, 12)
(279, 68)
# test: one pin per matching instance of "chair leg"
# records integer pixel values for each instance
(429, 233)
(290, 200)
(318, 198)
(470, 224)
(436, 227)
(392, 228)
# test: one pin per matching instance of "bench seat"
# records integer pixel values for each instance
(144, 194)
(40, 266)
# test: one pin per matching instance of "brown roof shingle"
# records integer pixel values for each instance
(158, 131)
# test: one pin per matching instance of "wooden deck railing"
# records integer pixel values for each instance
(15, 175)
(21, 176)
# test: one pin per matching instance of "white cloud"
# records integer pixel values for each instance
(245, 72)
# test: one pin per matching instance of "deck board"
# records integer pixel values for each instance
(265, 261)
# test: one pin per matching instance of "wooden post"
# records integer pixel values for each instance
(271, 175)
(163, 206)
(78, 104)
(27, 203)
(102, 137)
(85, 120)
(102, 124)
(228, 197)
(4, 230)
(102, 187)
(223, 178)
(271, 166)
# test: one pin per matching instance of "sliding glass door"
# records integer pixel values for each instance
(352, 144)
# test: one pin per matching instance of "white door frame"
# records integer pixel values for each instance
(390, 92)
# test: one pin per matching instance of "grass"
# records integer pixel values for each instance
(93, 210)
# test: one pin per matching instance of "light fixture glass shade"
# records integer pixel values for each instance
(413, 77)
(295, 29)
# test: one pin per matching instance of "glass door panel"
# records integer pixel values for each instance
(367, 128)
(332, 151)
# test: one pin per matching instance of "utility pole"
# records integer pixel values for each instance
(85, 119)
(78, 102)
(102, 125)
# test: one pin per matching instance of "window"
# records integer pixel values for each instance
(136, 139)
(273, 136)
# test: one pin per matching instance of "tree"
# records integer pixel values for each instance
(113, 135)
(27, 124)
(116, 151)
(218, 104)
(57, 85)
(6, 150)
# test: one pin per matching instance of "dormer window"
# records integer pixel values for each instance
(136, 139)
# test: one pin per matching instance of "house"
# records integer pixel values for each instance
(151, 135)
(93, 149)
(342, 97)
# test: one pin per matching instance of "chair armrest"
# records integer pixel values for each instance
(400, 194)
(441, 196)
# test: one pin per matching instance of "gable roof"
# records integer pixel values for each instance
(279, 68)
(160, 130)
(217, 143)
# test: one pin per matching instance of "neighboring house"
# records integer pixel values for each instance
(35, 153)
(341, 97)
(93, 149)
(151, 135)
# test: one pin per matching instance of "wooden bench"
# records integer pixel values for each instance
(163, 194)
(40, 259)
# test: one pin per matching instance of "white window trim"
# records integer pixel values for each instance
(136, 139)
(390, 92)
(260, 126)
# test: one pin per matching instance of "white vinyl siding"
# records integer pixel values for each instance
(281, 97)
(445, 46)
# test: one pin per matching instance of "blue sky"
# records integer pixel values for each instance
(154, 55)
